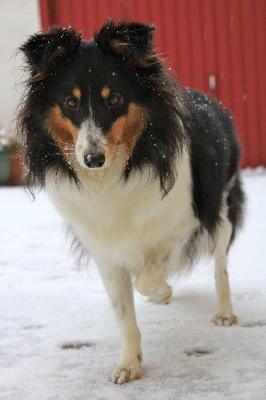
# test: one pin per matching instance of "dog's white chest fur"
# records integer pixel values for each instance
(123, 223)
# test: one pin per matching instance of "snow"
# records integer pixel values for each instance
(59, 338)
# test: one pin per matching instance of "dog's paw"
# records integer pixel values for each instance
(225, 320)
(163, 296)
(157, 290)
(123, 373)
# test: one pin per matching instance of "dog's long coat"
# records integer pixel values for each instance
(145, 172)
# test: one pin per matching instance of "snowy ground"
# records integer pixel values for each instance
(47, 309)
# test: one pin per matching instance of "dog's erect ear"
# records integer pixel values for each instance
(43, 49)
(133, 41)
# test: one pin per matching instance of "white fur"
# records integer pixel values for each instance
(224, 315)
(121, 223)
(90, 141)
(132, 231)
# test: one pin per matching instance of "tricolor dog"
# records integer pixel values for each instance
(144, 171)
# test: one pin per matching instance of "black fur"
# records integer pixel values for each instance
(44, 53)
(131, 40)
(123, 55)
(41, 48)
(154, 89)
(215, 155)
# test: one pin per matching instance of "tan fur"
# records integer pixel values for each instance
(77, 93)
(105, 92)
(62, 130)
(126, 129)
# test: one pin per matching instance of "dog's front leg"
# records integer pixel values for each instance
(151, 281)
(117, 282)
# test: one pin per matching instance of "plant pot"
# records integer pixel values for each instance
(16, 169)
(4, 167)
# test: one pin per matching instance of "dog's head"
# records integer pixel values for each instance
(92, 97)
(89, 101)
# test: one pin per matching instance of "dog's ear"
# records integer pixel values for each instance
(133, 41)
(43, 49)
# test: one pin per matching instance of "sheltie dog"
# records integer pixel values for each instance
(144, 171)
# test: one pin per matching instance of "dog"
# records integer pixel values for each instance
(144, 171)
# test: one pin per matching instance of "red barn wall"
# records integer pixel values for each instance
(217, 46)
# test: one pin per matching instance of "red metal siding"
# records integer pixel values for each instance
(200, 38)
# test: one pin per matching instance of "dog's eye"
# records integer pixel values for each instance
(71, 102)
(114, 99)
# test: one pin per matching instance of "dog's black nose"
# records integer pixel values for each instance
(94, 160)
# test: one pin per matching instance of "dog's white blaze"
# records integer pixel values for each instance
(90, 140)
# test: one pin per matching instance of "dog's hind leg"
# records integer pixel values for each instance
(117, 282)
(224, 316)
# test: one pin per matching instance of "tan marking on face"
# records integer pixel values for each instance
(135, 123)
(126, 130)
(62, 130)
(77, 93)
(114, 136)
(105, 92)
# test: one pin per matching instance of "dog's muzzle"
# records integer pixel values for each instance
(91, 145)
